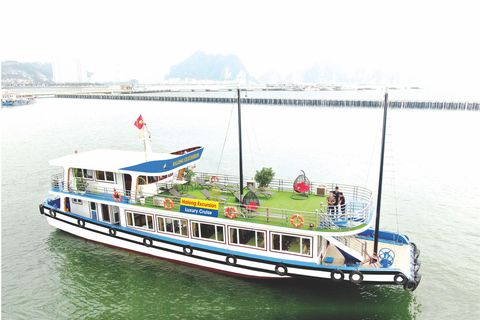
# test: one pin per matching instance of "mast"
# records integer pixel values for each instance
(240, 143)
(380, 178)
(146, 136)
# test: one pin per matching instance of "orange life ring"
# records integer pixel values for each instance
(295, 224)
(117, 196)
(214, 178)
(231, 212)
(168, 204)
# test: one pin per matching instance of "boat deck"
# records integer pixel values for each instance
(401, 255)
(279, 209)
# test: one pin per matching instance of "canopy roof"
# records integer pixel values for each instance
(129, 161)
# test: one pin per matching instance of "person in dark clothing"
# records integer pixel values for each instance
(336, 194)
(341, 203)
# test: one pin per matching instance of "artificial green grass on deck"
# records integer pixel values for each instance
(280, 200)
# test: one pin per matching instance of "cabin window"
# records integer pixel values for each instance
(115, 215)
(83, 173)
(292, 244)
(152, 179)
(87, 174)
(76, 201)
(207, 231)
(176, 226)
(106, 176)
(247, 237)
(140, 220)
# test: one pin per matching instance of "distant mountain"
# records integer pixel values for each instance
(26, 72)
(216, 67)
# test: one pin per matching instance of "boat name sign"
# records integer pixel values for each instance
(199, 207)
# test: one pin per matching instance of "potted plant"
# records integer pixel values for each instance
(188, 175)
(264, 177)
(80, 183)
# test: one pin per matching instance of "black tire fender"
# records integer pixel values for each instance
(399, 278)
(410, 285)
(355, 277)
(81, 223)
(187, 250)
(147, 242)
(337, 275)
(281, 269)
(231, 260)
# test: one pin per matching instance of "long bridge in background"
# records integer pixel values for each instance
(143, 96)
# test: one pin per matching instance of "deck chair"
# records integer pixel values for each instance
(301, 186)
(203, 184)
(258, 192)
(177, 194)
(207, 195)
(225, 189)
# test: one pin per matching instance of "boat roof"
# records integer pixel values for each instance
(129, 161)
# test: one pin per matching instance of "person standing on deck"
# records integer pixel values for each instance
(336, 194)
(341, 203)
(331, 203)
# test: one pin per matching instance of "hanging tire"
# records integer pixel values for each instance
(337, 275)
(355, 277)
(231, 260)
(40, 206)
(416, 251)
(188, 250)
(81, 223)
(400, 278)
(410, 285)
(52, 213)
(281, 269)
(417, 278)
(112, 231)
(147, 242)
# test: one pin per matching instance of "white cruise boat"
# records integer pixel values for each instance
(148, 203)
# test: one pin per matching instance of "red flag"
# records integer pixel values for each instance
(139, 123)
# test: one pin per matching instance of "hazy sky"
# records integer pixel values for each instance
(426, 41)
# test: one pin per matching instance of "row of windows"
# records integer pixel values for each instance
(104, 176)
(214, 232)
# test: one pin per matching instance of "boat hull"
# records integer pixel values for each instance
(210, 258)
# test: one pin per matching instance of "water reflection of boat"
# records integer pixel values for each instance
(130, 200)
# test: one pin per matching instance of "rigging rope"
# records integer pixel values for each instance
(226, 135)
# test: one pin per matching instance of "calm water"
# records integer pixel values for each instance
(432, 194)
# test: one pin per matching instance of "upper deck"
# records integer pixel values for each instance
(275, 210)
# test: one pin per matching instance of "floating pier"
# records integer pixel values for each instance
(282, 101)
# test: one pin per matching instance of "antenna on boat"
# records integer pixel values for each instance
(380, 178)
(240, 142)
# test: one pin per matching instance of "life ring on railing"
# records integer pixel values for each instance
(214, 178)
(231, 212)
(168, 204)
(117, 196)
(293, 220)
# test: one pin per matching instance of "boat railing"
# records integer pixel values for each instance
(355, 213)
(352, 193)
(95, 191)
(354, 243)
